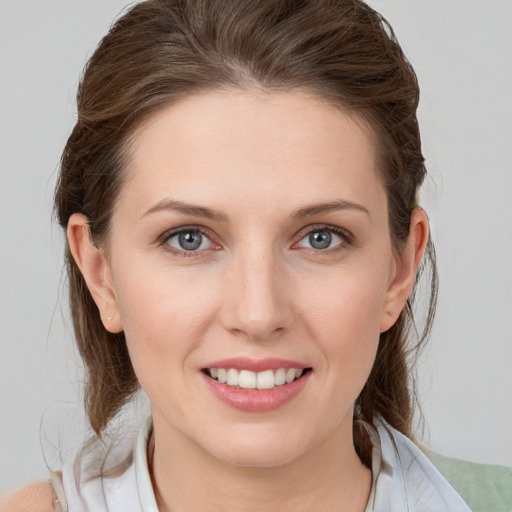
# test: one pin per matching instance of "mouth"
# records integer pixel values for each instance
(263, 380)
(256, 385)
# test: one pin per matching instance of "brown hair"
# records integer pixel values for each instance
(161, 50)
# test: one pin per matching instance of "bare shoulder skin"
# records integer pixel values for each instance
(35, 497)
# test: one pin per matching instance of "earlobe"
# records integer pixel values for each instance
(407, 262)
(95, 268)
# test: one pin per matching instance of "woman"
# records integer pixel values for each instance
(239, 195)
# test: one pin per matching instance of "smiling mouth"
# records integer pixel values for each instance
(247, 379)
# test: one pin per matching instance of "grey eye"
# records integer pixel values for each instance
(189, 240)
(320, 239)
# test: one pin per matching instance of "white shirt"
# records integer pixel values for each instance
(404, 480)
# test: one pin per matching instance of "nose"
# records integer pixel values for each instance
(257, 304)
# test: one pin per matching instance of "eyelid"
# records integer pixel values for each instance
(166, 235)
(345, 235)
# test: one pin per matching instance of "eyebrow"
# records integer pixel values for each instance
(186, 208)
(317, 209)
(208, 213)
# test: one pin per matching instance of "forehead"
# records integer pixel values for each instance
(238, 144)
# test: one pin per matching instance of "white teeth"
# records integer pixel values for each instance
(290, 375)
(247, 379)
(266, 380)
(232, 377)
(280, 377)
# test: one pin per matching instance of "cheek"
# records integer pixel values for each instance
(163, 312)
(345, 302)
(344, 319)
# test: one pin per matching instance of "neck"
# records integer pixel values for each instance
(329, 477)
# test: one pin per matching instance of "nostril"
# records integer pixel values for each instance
(258, 333)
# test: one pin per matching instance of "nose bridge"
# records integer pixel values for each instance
(259, 307)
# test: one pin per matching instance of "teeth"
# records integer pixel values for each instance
(290, 375)
(280, 377)
(222, 375)
(246, 379)
(232, 377)
(265, 380)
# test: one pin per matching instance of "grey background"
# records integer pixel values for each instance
(462, 52)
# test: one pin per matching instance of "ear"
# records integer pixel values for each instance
(407, 262)
(95, 268)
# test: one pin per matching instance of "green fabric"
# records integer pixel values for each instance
(484, 487)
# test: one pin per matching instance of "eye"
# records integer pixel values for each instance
(322, 239)
(189, 240)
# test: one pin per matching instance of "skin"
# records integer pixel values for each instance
(36, 497)
(256, 288)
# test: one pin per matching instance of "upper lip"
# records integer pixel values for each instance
(256, 365)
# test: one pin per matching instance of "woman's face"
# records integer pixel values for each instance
(251, 240)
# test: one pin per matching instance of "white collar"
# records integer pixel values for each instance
(404, 479)
(146, 494)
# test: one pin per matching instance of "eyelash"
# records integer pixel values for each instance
(165, 237)
(346, 237)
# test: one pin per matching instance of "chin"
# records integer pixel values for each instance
(258, 450)
(257, 458)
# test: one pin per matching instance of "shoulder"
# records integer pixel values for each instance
(35, 497)
(444, 483)
(483, 486)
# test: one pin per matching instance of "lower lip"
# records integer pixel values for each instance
(254, 400)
